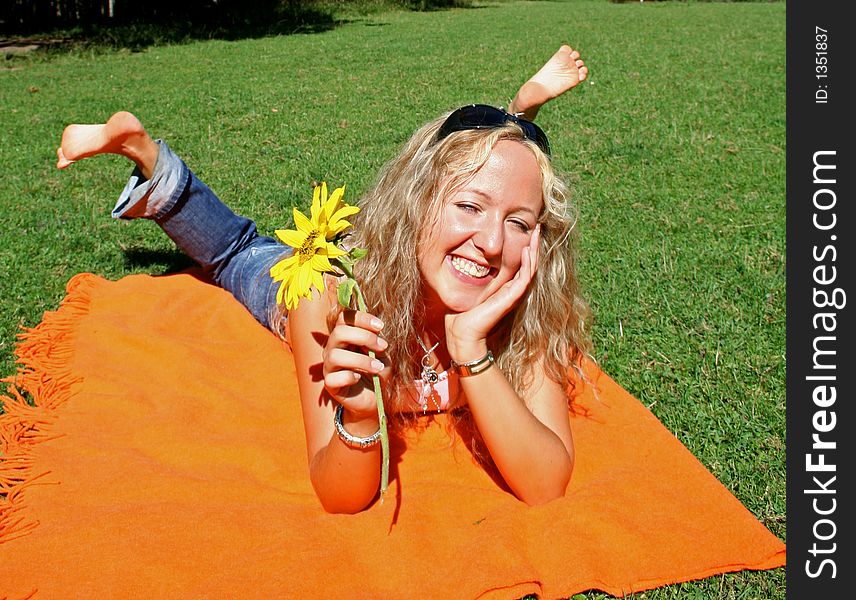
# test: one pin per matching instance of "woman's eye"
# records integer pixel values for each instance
(470, 208)
(521, 225)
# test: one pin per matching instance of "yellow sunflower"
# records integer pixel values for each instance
(330, 214)
(314, 243)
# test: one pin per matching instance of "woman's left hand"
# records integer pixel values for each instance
(466, 333)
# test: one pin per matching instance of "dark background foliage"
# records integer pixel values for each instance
(228, 19)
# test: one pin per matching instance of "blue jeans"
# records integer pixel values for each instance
(226, 246)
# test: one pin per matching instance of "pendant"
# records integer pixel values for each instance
(429, 375)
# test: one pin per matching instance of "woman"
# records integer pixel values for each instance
(469, 263)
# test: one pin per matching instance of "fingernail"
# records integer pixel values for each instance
(377, 365)
(377, 323)
(382, 343)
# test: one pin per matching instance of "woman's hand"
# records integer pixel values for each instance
(347, 366)
(467, 332)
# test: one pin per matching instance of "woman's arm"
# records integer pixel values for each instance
(529, 439)
(333, 368)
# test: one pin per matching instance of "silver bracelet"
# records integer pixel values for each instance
(474, 367)
(353, 441)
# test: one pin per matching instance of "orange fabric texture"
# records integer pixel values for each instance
(165, 458)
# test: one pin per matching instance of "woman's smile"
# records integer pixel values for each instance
(469, 269)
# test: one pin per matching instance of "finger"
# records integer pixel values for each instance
(535, 247)
(515, 288)
(481, 319)
(524, 274)
(340, 359)
(345, 336)
(385, 373)
(504, 299)
(510, 292)
(338, 380)
(363, 320)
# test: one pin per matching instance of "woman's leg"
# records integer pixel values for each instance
(122, 134)
(163, 189)
(560, 74)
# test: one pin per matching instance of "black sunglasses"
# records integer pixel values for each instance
(483, 116)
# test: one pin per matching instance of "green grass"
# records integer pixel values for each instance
(675, 147)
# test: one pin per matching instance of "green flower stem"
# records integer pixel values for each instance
(381, 413)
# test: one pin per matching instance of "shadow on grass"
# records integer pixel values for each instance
(167, 261)
(141, 34)
(162, 25)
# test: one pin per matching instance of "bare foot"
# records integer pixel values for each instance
(561, 73)
(122, 134)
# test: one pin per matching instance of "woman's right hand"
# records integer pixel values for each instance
(347, 366)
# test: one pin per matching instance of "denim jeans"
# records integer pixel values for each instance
(226, 246)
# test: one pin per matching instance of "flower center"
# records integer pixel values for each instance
(307, 249)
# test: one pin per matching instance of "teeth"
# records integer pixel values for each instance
(469, 267)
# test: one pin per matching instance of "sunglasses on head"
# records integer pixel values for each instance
(483, 116)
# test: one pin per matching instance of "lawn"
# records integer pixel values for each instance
(675, 147)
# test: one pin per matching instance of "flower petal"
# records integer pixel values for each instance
(332, 250)
(337, 194)
(303, 279)
(316, 202)
(334, 203)
(281, 269)
(318, 210)
(317, 281)
(302, 223)
(329, 207)
(345, 211)
(320, 263)
(337, 228)
(292, 237)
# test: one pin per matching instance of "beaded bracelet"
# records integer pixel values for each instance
(349, 440)
(474, 367)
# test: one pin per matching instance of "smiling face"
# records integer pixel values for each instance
(481, 231)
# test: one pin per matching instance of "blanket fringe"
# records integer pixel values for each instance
(43, 383)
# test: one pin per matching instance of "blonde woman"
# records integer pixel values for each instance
(475, 308)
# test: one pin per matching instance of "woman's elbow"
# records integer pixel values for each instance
(544, 495)
(549, 488)
(336, 500)
(337, 507)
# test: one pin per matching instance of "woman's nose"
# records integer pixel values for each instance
(490, 237)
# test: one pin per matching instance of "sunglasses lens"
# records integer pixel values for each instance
(483, 116)
(475, 116)
(536, 134)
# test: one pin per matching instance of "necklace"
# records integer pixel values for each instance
(429, 377)
(429, 373)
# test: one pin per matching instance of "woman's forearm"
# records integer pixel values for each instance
(347, 479)
(534, 461)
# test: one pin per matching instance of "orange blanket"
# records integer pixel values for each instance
(164, 457)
